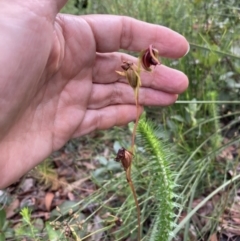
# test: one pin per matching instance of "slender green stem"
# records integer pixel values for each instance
(207, 102)
(215, 51)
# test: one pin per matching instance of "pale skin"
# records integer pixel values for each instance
(58, 79)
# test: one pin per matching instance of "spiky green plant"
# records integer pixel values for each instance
(158, 161)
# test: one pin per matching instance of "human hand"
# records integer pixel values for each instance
(58, 78)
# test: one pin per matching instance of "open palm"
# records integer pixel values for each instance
(58, 78)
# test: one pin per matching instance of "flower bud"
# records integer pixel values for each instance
(149, 57)
(131, 74)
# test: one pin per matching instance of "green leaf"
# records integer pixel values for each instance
(102, 160)
(65, 207)
(38, 224)
(2, 218)
(177, 118)
(114, 166)
(116, 146)
(53, 235)
(100, 172)
(9, 232)
(2, 237)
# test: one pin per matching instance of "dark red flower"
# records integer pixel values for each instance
(149, 57)
(125, 157)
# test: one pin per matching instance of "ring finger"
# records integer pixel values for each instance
(121, 93)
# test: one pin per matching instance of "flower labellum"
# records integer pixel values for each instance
(149, 57)
(126, 65)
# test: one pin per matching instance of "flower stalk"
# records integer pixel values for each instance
(131, 72)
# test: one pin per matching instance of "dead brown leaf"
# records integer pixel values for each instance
(89, 165)
(97, 234)
(213, 237)
(65, 171)
(27, 184)
(76, 184)
(236, 220)
(11, 210)
(71, 196)
(48, 200)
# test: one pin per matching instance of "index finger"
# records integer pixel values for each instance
(120, 32)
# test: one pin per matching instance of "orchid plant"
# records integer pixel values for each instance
(132, 72)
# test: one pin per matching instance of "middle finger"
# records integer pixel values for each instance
(161, 78)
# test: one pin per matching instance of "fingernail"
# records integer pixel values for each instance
(187, 50)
